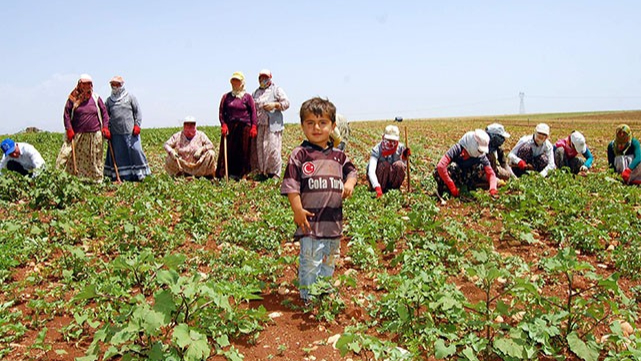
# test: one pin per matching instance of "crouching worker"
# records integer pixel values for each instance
(466, 163)
(21, 157)
(496, 155)
(387, 162)
(317, 179)
(190, 152)
(624, 155)
(533, 152)
(566, 151)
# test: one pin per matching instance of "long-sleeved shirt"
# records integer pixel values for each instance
(570, 152)
(186, 148)
(123, 114)
(85, 117)
(457, 154)
(377, 156)
(537, 150)
(271, 94)
(29, 158)
(634, 149)
(234, 109)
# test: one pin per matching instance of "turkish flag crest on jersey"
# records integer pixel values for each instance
(308, 168)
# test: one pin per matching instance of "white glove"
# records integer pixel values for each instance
(269, 106)
(198, 153)
(583, 169)
(175, 154)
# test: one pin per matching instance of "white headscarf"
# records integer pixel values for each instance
(470, 141)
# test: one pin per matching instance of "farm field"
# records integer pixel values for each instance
(171, 269)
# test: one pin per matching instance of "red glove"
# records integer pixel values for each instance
(253, 132)
(522, 164)
(494, 192)
(70, 134)
(626, 175)
(106, 133)
(136, 130)
(379, 192)
(406, 153)
(224, 130)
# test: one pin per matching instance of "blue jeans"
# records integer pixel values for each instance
(317, 259)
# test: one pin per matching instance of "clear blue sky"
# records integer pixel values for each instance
(373, 59)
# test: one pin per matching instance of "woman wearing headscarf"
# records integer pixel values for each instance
(190, 152)
(624, 155)
(270, 101)
(86, 122)
(125, 120)
(533, 152)
(566, 151)
(237, 114)
(387, 162)
(496, 154)
(466, 164)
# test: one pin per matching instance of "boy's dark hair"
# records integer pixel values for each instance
(318, 106)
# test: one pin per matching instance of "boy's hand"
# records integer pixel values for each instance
(300, 218)
(348, 189)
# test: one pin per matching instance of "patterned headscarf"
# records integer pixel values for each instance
(241, 91)
(623, 139)
(81, 93)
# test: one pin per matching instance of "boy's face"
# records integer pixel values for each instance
(317, 129)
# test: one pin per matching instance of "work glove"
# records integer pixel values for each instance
(198, 153)
(406, 153)
(269, 106)
(522, 164)
(452, 187)
(583, 169)
(136, 130)
(106, 133)
(224, 130)
(70, 134)
(253, 132)
(174, 154)
(494, 192)
(379, 192)
(626, 175)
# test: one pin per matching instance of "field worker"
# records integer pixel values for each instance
(21, 157)
(270, 101)
(566, 151)
(86, 122)
(190, 152)
(496, 154)
(237, 115)
(317, 179)
(466, 164)
(624, 155)
(125, 119)
(340, 135)
(533, 152)
(387, 162)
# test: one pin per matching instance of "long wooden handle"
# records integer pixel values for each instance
(409, 187)
(113, 157)
(73, 156)
(225, 150)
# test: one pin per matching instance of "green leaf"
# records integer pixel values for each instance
(469, 354)
(87, 293)
(172, 261)
(164, 304)
(581, 349)
(181, 335)
(441, 351)
(403, 313)
(169, 277)
(223, 341)
(509, 347)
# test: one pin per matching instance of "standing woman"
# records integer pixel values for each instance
(624, 155)
(237, 114)
(86, 122)
(125, 119)
(270, 101)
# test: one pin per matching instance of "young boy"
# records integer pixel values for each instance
(317, 179)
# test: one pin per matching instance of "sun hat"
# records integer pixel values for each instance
(117, 79)
(392, 133)
(188, 119)
(266, 72)
(238, 75)
(85, 78)
(496, 128)
(8, 146)
(483, 140)
(578, 140)
(543, 129)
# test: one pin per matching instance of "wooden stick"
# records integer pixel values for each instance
(409, 188)
(73, 156)
(113, 157)
(225, 150)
